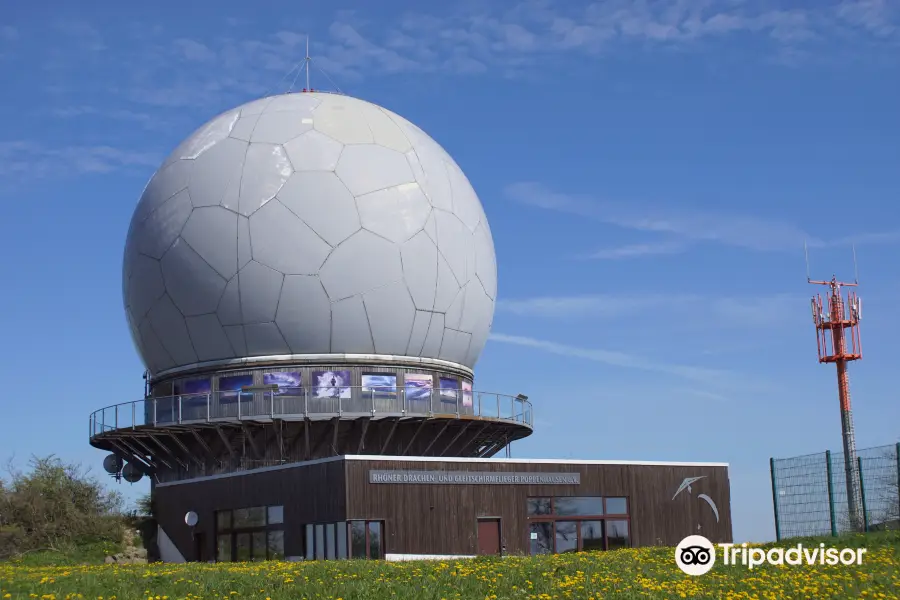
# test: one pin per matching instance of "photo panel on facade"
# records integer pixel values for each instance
(193, 392)
(467, 393)
(381, 386)
(449, 390)
(331, 384)
(230, 388)
(288, 382)
(418, 386)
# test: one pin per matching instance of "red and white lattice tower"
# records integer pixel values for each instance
(837, 334)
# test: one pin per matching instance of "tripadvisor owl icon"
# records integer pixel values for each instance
(695, 555)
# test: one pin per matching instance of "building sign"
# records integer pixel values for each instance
(474, 477)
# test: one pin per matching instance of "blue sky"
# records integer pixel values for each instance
(650, 170)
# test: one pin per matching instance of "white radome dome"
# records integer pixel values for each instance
(308, 223)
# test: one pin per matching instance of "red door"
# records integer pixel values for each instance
(488, 536)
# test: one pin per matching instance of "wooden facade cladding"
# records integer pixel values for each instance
(442, 518)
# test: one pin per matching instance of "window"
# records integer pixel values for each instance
(566, 536)
(616, 506)
(617, 534)
(250, 534)
(366, 539)
(342, 539)
(540, 533)
(539, 506)
(577, 523)
(578, 506)
(326, 541)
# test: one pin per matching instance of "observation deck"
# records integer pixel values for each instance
(189, 435)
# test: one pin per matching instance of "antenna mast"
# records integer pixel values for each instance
(308, 89)
(837, 338)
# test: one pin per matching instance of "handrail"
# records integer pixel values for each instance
(308, 402)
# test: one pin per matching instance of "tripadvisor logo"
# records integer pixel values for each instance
(696, 555)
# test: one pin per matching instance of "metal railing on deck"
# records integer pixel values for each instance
(313, 403)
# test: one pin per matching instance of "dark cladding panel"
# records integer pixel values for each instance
(309, 494)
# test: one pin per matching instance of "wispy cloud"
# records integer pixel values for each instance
(25, 158)
(877, 16)
(744, 231)
(468, 40)
(686, 225)
(741, 311)
(193, 50)
(638, 251)
(617, 359)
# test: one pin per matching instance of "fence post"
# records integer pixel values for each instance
(830, 493)
(897, 454)
(775, 500)
(862, 495)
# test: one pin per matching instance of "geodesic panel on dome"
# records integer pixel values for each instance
(301, 296)
(420, 256)
(396, 213)
(434, 337)
(213, 171)
(266, 168)
(465, 203)
(157, 234)
(421, 322)
(211, 232)
(264, 339)
(324, 203)
(208, 338)
(390, 336)
(207, 136)
(385, 131)
(363, 262)
(485, 262)
(243, 129)
(308, 224)
(350, 330)
(455, 345)
(342, 119)
(146, 285)
(314, 151)
(281, 240)
(260, 289)
(368, 168)
(168, 323)
(271, 128)
(193, 285)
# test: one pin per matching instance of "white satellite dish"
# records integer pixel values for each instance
(190, 518)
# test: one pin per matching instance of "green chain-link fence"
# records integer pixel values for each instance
(810, 493)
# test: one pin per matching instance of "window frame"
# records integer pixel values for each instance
(233, 532)
(366, 524)
(553, 518)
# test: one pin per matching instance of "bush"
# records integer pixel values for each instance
(56, 505)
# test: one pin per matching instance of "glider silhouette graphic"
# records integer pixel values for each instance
(686, 485)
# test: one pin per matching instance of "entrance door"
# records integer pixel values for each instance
(488, 536)
(199, 547)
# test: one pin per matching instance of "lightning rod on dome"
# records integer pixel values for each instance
(308, 89)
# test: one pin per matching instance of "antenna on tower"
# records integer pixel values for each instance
(837, 336)
(307, 64)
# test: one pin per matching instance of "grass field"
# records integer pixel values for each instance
(635, 573)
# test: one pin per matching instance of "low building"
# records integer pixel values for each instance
(409, 507)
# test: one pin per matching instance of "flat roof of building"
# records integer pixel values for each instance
(441, 459)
